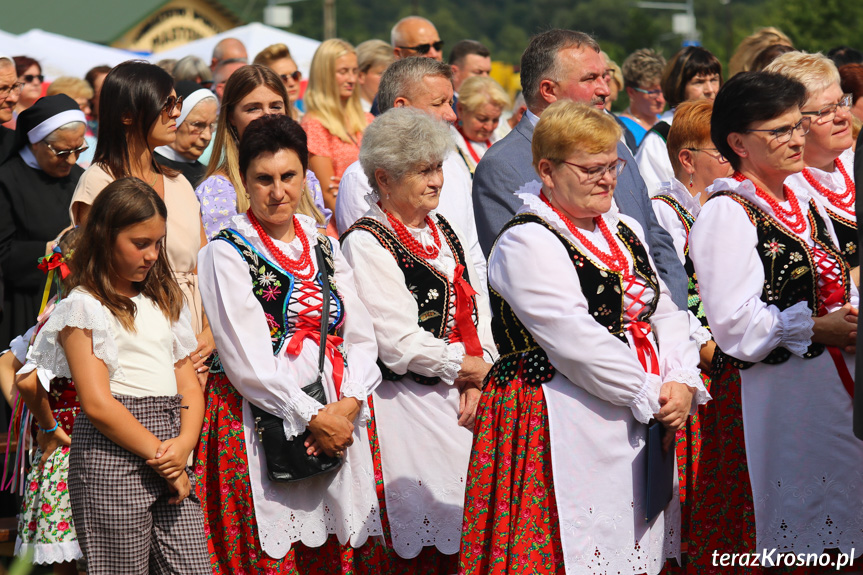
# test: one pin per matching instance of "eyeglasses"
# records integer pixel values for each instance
(13, 89)
(28, 78)
(652, 93)
(718, 157)
(201, 127)
(173, 104)
(783, 134)
(596, 173)
(296, 75)
(827, 113)
(63, 154)
(423, 48)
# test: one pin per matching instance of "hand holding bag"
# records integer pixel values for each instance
(287, 459)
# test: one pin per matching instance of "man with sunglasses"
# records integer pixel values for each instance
(564, 64)
(416, 36)
(10, 89)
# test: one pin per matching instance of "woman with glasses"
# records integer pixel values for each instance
(277, 58)
(196, 125)
(697, 163)
(36, 186)
(143, 116)
(828, 155)
(334, 119)
(642, 71)
(251, 92)
(30, 77)
(691, 74)
(780, 468)
(592, 349)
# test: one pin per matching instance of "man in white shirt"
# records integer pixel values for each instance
(425, 84)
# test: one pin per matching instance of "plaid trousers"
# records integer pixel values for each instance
(120, 505)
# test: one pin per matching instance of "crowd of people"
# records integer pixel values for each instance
(395, 320)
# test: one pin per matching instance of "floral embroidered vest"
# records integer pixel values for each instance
(274, 288)
(694, 299)
(520, 355)
(846, 233)
(790, 272)
(430, 288)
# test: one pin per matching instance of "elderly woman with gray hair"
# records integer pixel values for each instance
(433, 331)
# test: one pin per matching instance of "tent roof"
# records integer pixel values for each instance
(59, 55)
(256, 37)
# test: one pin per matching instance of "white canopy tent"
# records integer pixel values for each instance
(59, 55)
(255, 37)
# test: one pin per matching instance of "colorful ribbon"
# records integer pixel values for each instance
(640, 331)
(295, 346)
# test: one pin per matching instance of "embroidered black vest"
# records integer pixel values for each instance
(430, 288)
(273, 287)
(520, 355)
(790, 272)
(694, 299)
(846, 233)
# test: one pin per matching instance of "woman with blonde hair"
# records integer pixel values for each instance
(481, 101)
(277, 57)
(334, 120)
(829, 158)
(251, 92)
(373, 57)
(751, 46)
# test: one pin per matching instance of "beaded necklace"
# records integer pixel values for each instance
(793, 217)
(295, 267)
(409, 241)
(614, 261)
(844, 200)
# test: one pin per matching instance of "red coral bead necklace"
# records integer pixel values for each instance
(793, 217)
(409, 241)
(842, 200)
(297, 267)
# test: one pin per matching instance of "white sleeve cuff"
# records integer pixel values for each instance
(452, 362)
(357, 390)
(185, 341)
(646, 402)
(302, 409)
(796, 328)
(701, 336)
(691, 378)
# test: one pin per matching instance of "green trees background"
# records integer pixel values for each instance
(506, 25)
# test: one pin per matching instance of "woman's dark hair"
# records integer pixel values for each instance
(269, 134)
(747, 98)
(24, 62)
(134, 92)
(123, 203)
(767, 55)
(852, 80)
(683, 67)
(94, 73)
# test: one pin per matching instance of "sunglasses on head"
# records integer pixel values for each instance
(424, 48)
(295, 76)
(173, 104)
(28, 78)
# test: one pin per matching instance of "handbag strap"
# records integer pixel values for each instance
(325, 310)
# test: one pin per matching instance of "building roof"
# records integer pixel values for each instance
(92, 20)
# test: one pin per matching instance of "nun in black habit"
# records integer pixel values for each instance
(36, 187)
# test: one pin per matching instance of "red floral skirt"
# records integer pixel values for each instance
(688, 448)
(229, 515)
(510, 513)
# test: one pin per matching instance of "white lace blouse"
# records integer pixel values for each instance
(140, 363)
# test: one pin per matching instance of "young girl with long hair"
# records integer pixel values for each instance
(334, 120)
(124, 336)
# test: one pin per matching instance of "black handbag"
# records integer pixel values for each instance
(287, 459)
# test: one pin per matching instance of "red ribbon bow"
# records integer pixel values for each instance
(838, 296)
(643, 346)
(295, 346)
(54, 261)
(465, 330)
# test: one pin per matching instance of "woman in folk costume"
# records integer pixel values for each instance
(592, 348)
(677, 203)
(780, 468)
(829, 173)
(434, 339)
(262, 280)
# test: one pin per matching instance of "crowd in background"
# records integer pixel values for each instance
(393, 319)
